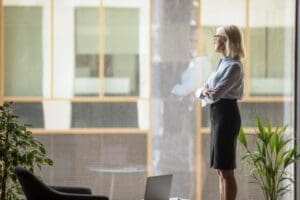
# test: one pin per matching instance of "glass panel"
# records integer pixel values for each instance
(210, 21)
(209, 179)
(82, 115)
(76, 48)
(270, 57)
(30, 113)
(277, 113)
(271, 35)
(87, 115)
(87, 52)
(208, 45)
(23, 63)
(121, 51)
(113, 165)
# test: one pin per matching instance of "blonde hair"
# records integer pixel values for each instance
(234, 45)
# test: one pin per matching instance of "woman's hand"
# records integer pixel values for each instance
(207, 91)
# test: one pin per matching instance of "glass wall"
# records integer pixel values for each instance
(271, 36)
(93, 78)
(268, 29)
(23, 51)
(120, 47)
(78, 72)
(87, 53)
(122, 51)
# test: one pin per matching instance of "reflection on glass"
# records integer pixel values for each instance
(271, 48)
(87, 52)
(23, 66)
(121, 51)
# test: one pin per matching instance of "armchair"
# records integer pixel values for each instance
(34, 189)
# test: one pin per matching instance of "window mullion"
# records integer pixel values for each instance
(101, 49)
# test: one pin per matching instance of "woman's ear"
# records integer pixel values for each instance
(223, 45)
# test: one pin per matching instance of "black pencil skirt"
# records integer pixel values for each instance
(225, 125)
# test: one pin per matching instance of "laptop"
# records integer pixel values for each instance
(158, 187)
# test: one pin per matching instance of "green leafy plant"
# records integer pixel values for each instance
(18, 147)
(270, 159)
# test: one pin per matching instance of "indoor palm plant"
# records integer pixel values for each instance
(270, 159)
(18, 147)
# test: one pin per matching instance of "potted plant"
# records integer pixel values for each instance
(270, 159)
(18, 147)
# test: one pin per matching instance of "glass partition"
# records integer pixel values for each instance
(78, 71)
(271, 48)
(121, 52)
(87, 82)
(268, 28)
(23, 51)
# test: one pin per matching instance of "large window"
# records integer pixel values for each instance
(78, 72)
(87, 26)
(119, 65)
(93, 78)
(271, 48)
(268, 29)
(23, 51)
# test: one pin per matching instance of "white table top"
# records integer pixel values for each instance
(175, 198)
(117, 170)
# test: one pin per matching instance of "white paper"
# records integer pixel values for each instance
(193, 77)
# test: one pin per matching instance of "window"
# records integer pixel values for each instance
(78, 72)
(268, 29)
(271, 35)
(23, 51)
(94, 77)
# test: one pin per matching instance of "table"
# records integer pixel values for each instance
(177, 198)
(114, 171)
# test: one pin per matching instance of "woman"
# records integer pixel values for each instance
(222, 91)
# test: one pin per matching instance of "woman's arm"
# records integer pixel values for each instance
(201, 93)
(231, 75)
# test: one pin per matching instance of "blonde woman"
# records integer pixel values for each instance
(222, 91)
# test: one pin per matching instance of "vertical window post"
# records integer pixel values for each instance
(297, 99)
(1, 53)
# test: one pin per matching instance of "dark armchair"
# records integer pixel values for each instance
(34, 189)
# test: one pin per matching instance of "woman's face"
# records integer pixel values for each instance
(219, 43)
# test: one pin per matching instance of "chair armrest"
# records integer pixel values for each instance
(73, 190)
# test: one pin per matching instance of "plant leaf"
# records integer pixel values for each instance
(242, 137)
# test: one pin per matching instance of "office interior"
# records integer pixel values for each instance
(94, 79)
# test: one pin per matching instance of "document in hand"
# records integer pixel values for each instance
(193, 77)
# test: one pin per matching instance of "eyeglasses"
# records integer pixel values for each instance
(220, 36)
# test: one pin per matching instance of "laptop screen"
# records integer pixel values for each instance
(158, 187)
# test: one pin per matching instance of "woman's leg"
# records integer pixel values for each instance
(230, 186)
(221, 186)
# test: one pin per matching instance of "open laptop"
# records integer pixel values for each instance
(158, 187)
